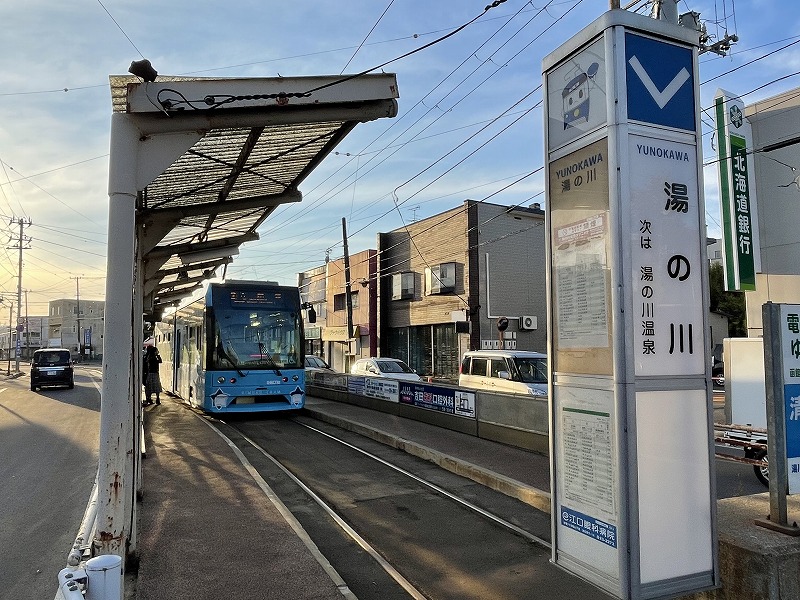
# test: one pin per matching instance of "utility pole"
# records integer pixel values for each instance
(20, 241)
(10, 334)
(347, 297)
(28, 327)
(78, 314)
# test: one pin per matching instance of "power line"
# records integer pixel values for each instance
(367, 36)
(120, 28)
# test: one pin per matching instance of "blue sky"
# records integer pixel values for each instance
(468, 126)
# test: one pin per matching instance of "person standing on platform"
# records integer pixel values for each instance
(152, 381)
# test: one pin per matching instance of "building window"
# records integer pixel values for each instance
(445, 359)
(339, 302)
(416, 345)
(403, 286)
(440, 279)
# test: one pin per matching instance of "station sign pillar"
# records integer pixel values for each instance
(631, 416)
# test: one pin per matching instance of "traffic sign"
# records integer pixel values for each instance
(660, 81)
(502, 323)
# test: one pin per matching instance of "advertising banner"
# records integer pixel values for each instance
(442, 399)
(373, 387)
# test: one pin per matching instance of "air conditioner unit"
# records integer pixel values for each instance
(527, 323)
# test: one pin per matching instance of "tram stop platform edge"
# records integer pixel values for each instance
(204, 524)
(205, 529)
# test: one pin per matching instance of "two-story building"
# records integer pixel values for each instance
(446, 282)
(32, 335)
(435, 289)
(77, 325)
(325, 287)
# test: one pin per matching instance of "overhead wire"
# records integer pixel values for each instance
(421, 101)
(385, 10)
(705, 164)
(120, 28)
(575, 4)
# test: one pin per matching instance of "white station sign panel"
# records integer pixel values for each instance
(665, 250)
(577, 95)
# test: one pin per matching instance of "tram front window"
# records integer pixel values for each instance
(251, 339)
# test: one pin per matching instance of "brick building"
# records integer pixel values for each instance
(435, 289)
(447, 279)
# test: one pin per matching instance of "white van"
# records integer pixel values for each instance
(505, 371)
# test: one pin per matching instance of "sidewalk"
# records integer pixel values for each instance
(206, 529)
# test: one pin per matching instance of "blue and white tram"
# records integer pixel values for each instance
(239, 348)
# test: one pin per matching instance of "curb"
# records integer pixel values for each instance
(536, 498)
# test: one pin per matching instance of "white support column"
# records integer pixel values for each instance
(137, 431)
(115, 477)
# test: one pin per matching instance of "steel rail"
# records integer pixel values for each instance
(519, 531)
(390, 570)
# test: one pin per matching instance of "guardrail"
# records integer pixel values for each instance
(518, 420)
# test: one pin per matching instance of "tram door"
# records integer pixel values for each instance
(176, 359)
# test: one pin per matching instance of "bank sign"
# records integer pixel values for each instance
(737, 193)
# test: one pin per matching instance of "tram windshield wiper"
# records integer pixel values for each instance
(231, 358)
(265, 357)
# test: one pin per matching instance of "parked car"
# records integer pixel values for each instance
(393, 368)
(52, 366)
(315, 363)
(505, 371)
(718, 374)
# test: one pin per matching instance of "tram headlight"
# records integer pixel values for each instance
(220, 380)
(285, 379)
(295, 377)
(233, 380)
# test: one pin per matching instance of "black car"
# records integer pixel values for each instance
(52, 366)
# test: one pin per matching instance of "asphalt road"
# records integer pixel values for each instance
(48, 460)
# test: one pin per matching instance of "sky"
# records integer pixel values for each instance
(470, 121)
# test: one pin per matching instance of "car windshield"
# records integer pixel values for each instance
(393, 366)
(531, 370)
(315, 361)
(54, 357)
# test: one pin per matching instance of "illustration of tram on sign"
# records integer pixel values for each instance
(576, 97)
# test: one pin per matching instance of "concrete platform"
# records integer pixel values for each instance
(210, 529)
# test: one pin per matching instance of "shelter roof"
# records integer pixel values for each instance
(220, 155)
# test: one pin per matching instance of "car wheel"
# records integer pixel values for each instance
(71, 385)
(761, 472)
(33, 388)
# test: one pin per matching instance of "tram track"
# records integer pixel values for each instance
(431, 533)
(485, 513)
